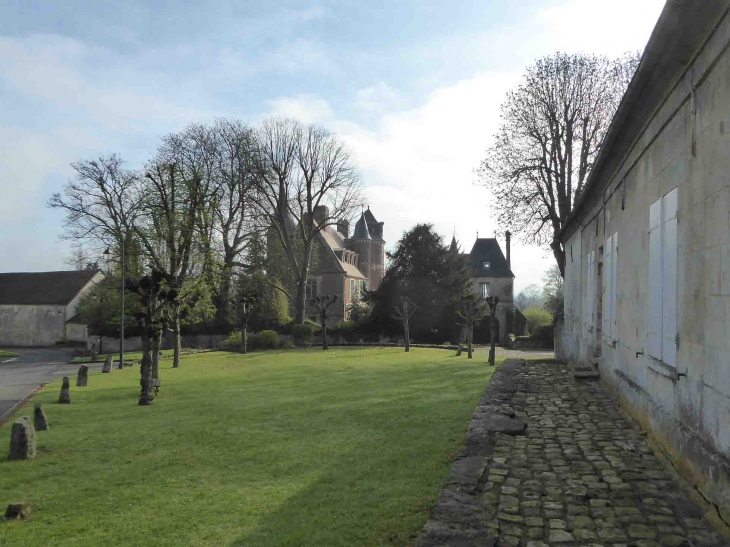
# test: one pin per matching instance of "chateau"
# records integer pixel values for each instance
(347, 264)
(492, 276)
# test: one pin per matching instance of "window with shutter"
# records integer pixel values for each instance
(614, 287)
(606, 303)
(669, 278)
(662, 328)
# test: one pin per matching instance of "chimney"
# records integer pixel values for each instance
(508, 236)
(343, 226)
(321, 213)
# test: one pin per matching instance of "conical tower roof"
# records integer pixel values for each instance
(361, 229)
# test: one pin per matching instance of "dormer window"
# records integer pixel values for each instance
(486, 265)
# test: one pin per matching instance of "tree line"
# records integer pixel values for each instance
(197, 217)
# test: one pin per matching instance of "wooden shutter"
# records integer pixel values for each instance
(654, 330)
(607, 270)
(669, 278)
(614, 287)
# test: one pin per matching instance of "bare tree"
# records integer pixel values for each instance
(552, 127)
(322, 304)
(170, 200)
(403, 312)
(236, 218)
(100, 203)
(471, 312)
(302, 169)
(531, 296)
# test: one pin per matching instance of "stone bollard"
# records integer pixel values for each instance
(17, 511)
(65, 398)
(22, 440)
(40, 421)
(107, 368)
(83, 378)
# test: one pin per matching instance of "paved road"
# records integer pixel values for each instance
(35, 366)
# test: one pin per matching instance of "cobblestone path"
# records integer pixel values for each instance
(548, 460)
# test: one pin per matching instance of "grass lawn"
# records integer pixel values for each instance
(128, 356)
(302, 447)
(5, 353)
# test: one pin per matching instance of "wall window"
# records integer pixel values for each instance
(590, 287)
(609, 312)
(486, 265)
(484, 289)
(312, 288)
(353, 291)
(662, 331)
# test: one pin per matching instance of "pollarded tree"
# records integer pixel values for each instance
(302, 169)
(552, 127)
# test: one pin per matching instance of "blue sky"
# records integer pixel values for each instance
(413, 87)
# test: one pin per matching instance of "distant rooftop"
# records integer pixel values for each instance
(43, 288)
(487, 251)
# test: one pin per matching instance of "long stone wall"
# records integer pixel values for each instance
(31, 325)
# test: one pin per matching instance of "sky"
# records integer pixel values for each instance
(413, 87)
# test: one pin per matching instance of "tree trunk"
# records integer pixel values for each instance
(175, 335)
(559, 254)
(492, 338)
(324, 334)
(156, 344)
(407, 335)
(223, 309)
(469, 337)
(145, 370)
(101, 344)
(462, 336)
(244, 336)
(301, 303)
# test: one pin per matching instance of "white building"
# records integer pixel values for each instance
(39, 308)
(647, 280)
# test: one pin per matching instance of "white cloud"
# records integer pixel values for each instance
(305, 108)
(378, 97)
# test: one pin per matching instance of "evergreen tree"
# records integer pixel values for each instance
(435, 279)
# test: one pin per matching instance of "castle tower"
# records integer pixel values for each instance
(377, 250)
(360, 243)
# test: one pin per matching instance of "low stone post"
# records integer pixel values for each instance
(83, 378)
(65, 397)
(17, 511)
(40, 421)
(107, 368)
(22, 440)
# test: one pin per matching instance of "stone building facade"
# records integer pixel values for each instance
(347, 264)
(492, 276)
(647, 277)
(39, 308)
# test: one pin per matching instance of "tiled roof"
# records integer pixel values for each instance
(487, 250)
(43, 288)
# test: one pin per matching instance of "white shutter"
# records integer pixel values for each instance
(669, 278)
(614, 287)
(606, 304)
(654, 331)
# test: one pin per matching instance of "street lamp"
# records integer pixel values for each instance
(107, 256)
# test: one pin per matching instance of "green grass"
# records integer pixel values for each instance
(347, 447)
(130, 355)
(4, 353)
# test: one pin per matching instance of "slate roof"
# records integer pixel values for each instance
(43, 288)
(488, 250)
(374, 227)
(361, 229)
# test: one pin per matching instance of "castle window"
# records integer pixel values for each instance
(486, 265)
(484, 289)
(353, 290)
(312, 289)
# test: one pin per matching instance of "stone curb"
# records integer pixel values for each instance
(456, 519)
(13, 409)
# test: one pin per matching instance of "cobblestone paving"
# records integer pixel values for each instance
(548, 460)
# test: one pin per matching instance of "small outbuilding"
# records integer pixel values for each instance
(40, 308)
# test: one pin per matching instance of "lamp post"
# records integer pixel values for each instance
(107, 254)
